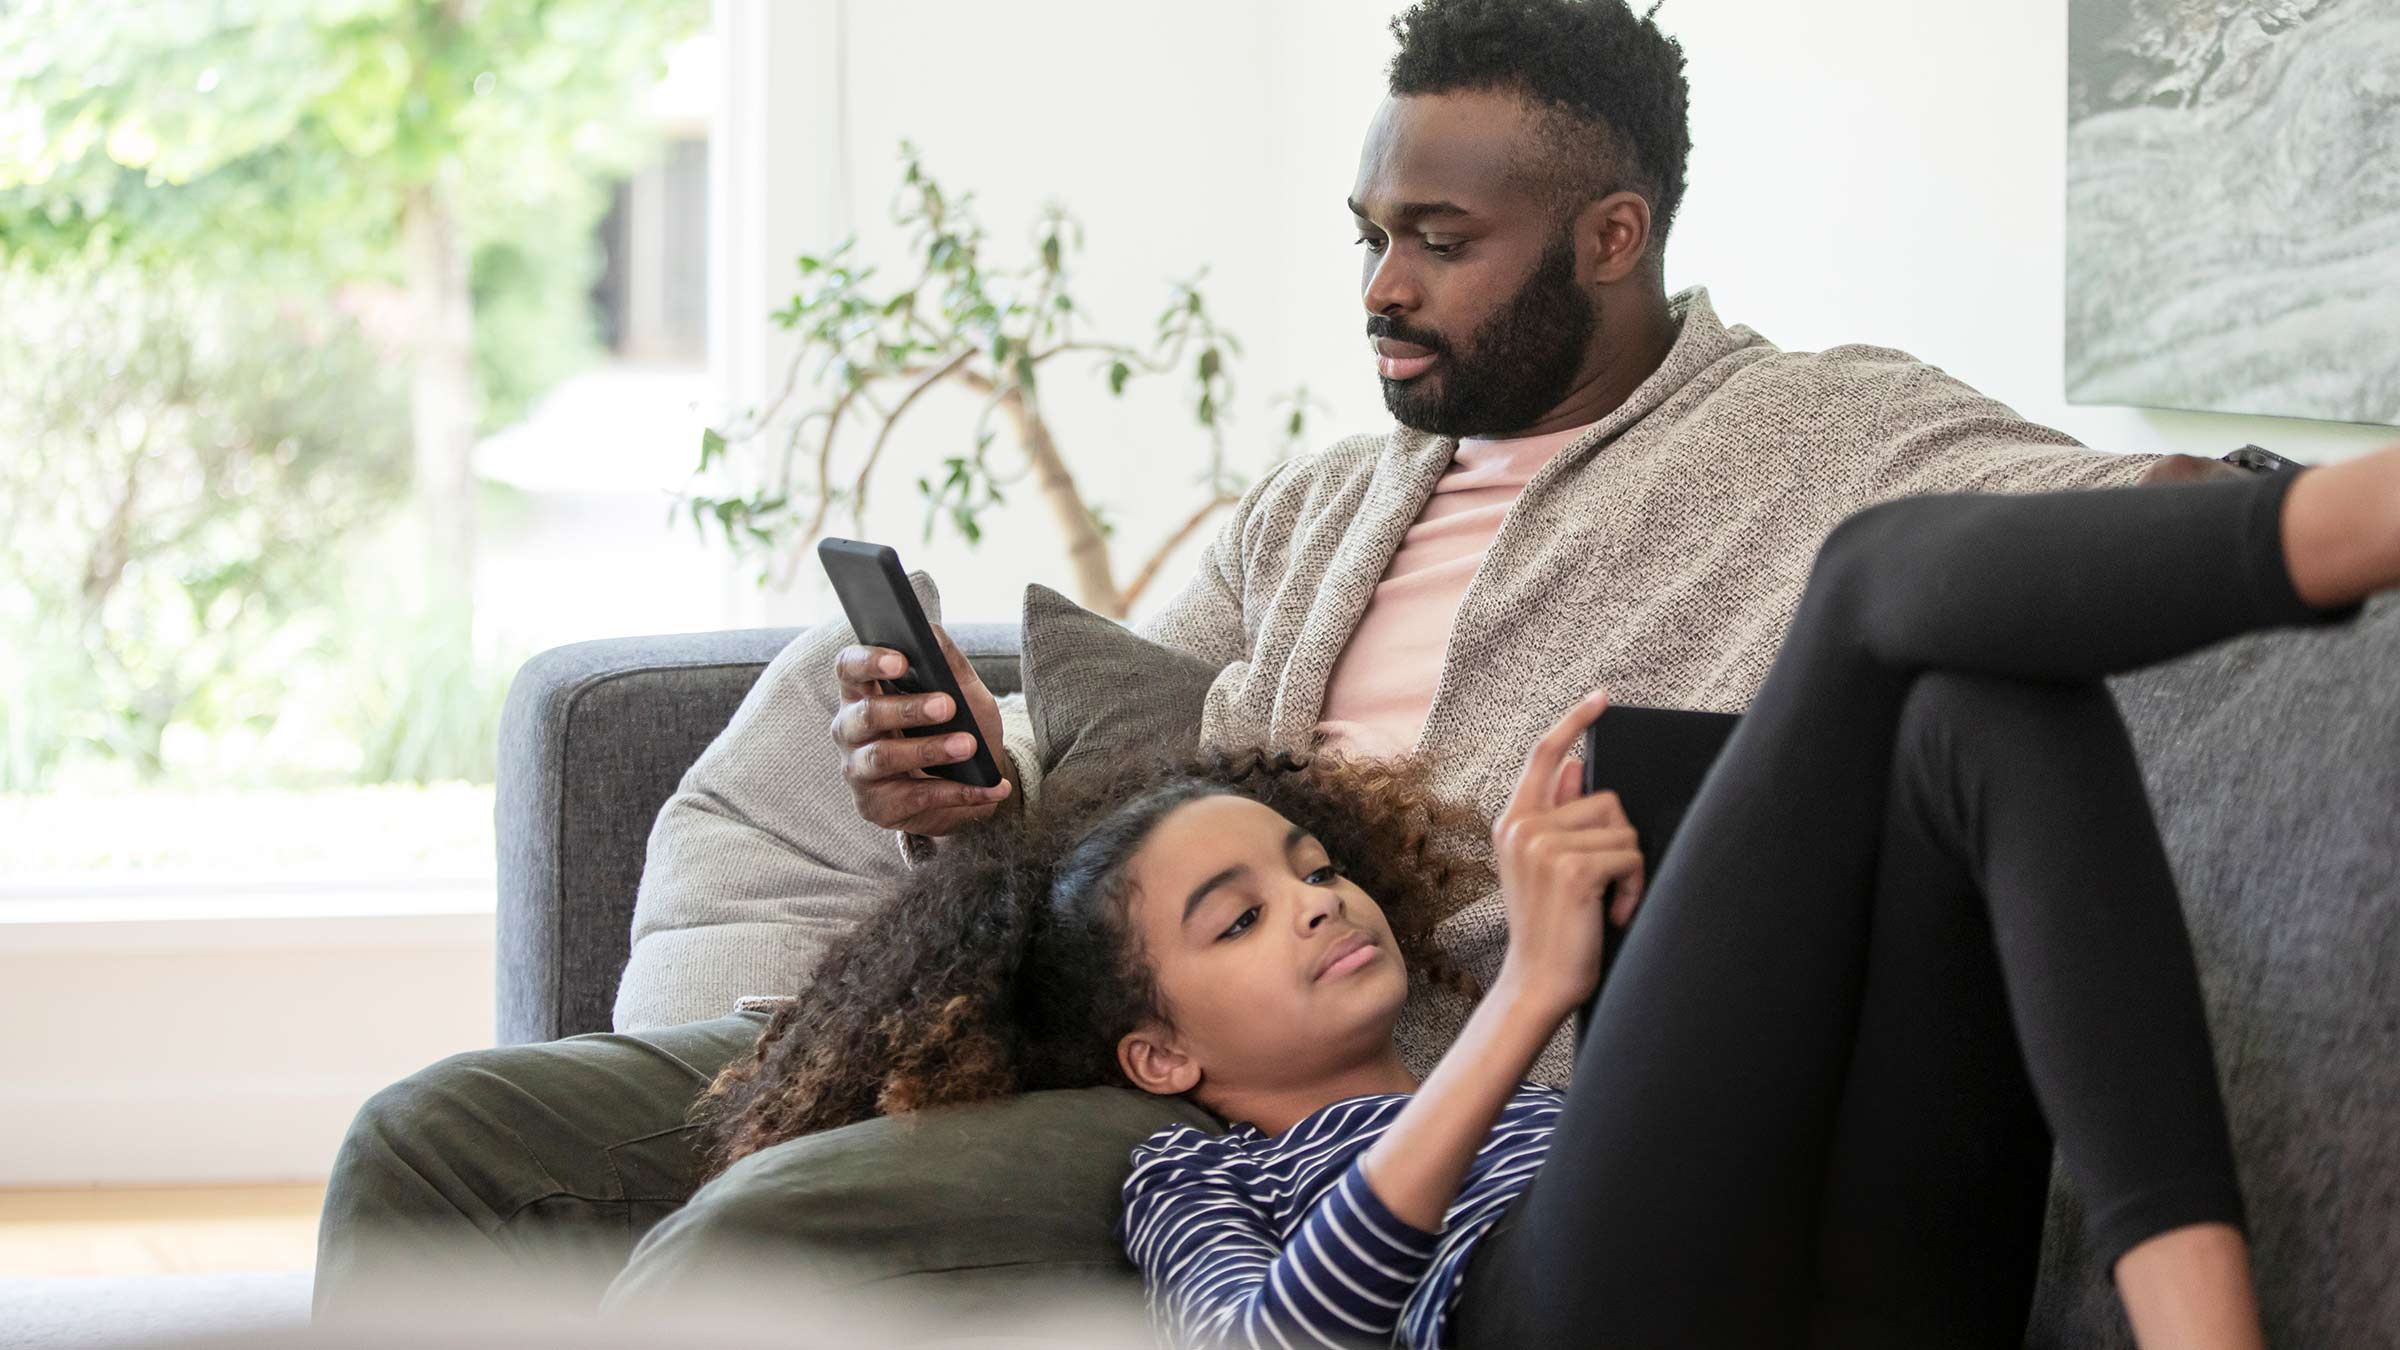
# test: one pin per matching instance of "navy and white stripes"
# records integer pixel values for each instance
(1277, 1241)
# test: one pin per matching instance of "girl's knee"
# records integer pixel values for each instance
(1851, 582)
(1955, 702)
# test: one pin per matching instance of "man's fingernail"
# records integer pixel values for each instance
(959, 745)
(938, 706)
(893, 665)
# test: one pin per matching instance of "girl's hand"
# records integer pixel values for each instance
(1558, 852)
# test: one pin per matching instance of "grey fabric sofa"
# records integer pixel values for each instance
(2273, 763)
(593, 741)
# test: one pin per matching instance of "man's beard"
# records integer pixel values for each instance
(1517, 366)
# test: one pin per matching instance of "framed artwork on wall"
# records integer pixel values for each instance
(2233, 206)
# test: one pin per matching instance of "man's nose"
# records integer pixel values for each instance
(1389, 287)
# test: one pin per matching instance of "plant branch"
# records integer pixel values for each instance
(1158, 557)
(1015, 319)
(858, 498)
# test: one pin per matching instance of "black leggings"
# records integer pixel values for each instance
(1917, 920)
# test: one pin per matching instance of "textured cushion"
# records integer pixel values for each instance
(975, 1206)
(738, 894)
(760, 858)
(2273, 765)
(1098, 693)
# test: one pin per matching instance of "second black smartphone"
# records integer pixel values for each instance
(884, 612)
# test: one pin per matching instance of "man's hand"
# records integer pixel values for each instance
(2190, 469)
(886, 769)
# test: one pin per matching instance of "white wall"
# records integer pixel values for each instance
(1129, 123)
(1865, 171)
(1893, 172)
(180, 1047)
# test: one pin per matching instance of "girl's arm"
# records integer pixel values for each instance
(1418, 1164)
(1558, 851)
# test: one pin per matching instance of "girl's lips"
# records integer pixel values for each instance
(1404, 367)
(1357, 958)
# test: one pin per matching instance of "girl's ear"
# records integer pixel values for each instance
(1156, 1064)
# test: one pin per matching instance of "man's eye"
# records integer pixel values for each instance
(1438, 250)
(1323, 876)
(1241, 923)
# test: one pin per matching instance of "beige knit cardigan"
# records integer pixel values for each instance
(1661, 554)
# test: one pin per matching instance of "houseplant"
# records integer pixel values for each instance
(866, 357)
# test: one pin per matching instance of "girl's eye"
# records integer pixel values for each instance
(1244, 921)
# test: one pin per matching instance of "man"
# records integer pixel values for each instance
(1592, 483)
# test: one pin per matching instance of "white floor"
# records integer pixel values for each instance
(129, 1309)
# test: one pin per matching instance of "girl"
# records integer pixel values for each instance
(1918, 922)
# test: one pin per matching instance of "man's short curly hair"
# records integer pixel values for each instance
(1609, 87)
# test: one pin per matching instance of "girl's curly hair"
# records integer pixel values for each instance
(1008, 964)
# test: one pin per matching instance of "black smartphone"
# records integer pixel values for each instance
(884, 612)
(1654, 759)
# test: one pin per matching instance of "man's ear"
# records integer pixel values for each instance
(1614, 233)
(1152, 1058)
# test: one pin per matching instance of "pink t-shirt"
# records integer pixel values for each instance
(1381, 688)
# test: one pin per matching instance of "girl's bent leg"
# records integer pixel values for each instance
(1706, 1090)
(1935, 1174)
(1938, 1168)
(2020, 856)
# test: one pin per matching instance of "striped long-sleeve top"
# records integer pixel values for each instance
(1246, 1238)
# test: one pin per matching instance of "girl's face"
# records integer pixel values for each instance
(1276, 969)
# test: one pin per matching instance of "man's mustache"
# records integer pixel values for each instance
(1380, 327)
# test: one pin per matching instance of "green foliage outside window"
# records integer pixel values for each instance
(270, 267)
(179, 465)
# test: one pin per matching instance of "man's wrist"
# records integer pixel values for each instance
(1015, 800)
(2190, 469)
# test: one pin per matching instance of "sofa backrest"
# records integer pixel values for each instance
(2273, 766)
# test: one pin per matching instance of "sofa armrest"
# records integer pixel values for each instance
(594, 738)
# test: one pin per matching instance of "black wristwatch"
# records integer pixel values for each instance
(2259, 459)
